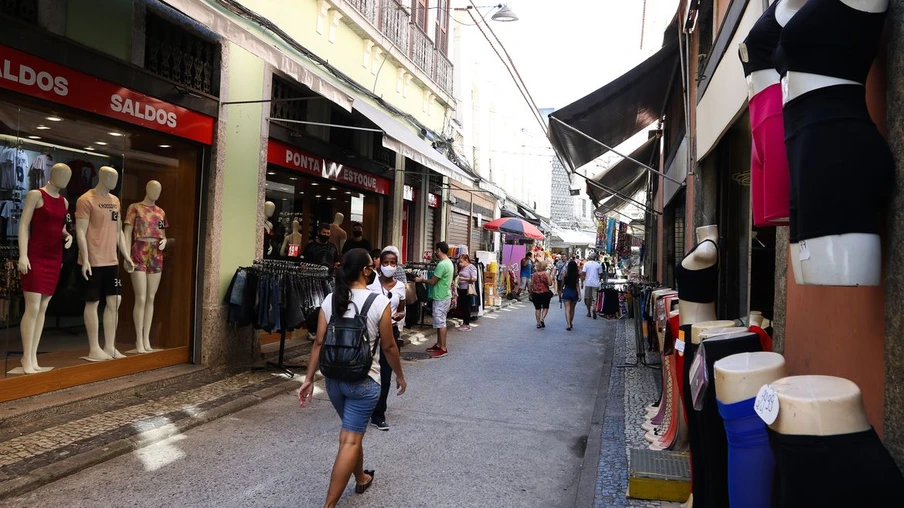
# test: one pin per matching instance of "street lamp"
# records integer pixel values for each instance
(503, 13)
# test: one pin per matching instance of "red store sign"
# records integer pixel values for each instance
(281, 154)
(30, 75)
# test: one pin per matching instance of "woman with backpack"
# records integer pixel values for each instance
(353, 391)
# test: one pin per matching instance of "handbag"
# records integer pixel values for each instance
(472, 290)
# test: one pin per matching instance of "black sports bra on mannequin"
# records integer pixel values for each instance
(761, 42)
(829, 38)
(698, 286)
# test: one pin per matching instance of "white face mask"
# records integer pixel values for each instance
(388, 271)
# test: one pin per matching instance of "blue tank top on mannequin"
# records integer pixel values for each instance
(751, 466)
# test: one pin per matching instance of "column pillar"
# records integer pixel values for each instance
(397, 202)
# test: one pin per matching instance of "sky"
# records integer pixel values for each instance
(565, 49)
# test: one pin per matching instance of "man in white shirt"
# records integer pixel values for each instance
(591, 275)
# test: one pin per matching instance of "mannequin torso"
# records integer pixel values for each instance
(698, 328)
(740, 377)
(819, 406)
(338, 235)
(705, 256)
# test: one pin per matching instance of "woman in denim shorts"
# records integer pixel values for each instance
(354, 401)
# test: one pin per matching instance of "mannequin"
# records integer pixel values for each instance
(148, 223)
(755, 318)
(770, 179)
(832, 245)
(821, 422)
(338, 235)
(698, 274)
(293, 238)
(98, 230)
(269, 210)
(40, 257)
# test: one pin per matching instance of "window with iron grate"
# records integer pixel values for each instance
(181, 56)
(23, 10)
(288, 110)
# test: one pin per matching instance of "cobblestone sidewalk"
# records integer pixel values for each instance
(630, 389)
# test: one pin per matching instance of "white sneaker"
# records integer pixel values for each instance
(464, 328)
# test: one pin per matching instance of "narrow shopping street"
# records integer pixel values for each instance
(502, 421)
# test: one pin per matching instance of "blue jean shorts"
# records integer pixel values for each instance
(354, 401)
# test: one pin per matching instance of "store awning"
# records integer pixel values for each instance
(401, 140)
(616, 111)
(626, 177)
(571, 238)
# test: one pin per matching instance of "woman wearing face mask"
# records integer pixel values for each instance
(467, 275)
(353, 400)
(387, 285)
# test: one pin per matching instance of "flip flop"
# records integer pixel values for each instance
(360, 489)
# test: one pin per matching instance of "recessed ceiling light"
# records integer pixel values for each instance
(164, 146)
(314, 183)
(270, 173)
(42, 127)
(89, 148)
(330, 199)
(101, 143)
(285, 199)
(317, 196)
(348, 192)
(54, 119)
(293, 178)
(34, 137)
(116, 134)
(301, 192)
(333, 188)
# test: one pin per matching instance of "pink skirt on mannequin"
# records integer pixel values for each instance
(769, 174)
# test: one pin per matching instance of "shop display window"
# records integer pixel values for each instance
(312, 201)
(34, 136)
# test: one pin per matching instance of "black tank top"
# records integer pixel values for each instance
(698, 286)
(761, 42)
(829, 38)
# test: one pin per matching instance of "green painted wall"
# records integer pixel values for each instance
(241, 163)
(105, 25)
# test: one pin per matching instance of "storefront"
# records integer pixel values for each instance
(53, 114)
(312, 190)
(409, 222)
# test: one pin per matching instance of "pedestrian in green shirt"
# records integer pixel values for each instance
(442, 297)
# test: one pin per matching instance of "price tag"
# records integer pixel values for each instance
(742, 52)
(679, 344)
(804, 251)
(766, 404)
(293, 250)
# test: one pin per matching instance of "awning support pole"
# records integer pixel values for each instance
(615, 193)
(607, 147)
(351, 127)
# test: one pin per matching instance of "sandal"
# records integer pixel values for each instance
(538, 326)
(360, 489)
(542, 324)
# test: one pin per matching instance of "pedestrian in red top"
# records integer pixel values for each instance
(540, 293)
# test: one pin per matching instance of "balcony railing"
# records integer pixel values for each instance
(394, 20)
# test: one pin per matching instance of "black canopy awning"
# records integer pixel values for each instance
(616, 111)
(625, 178)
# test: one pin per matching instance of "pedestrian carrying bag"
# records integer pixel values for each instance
(347, 352)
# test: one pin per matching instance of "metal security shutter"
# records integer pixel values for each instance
(429, 230)
(457, 229)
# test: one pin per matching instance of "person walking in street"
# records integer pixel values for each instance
(442, 298)
(541, 294)
(387, 285)
(357, 241)
(524, 279)
(355, 401)
(321, 251)
(467, 275)
(559, 275)
(570, 292)
(592, 274)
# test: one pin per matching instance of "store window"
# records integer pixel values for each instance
(153, 325)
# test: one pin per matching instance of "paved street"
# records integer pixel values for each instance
(499, 422)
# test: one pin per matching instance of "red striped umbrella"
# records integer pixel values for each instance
(515, 226)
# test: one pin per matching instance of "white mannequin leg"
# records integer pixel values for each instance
(111, 319)
(32, 326)
(95, 353)
(153, 286)
(139, 284)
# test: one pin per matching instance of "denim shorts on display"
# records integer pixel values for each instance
(354, 401)
(440, 310)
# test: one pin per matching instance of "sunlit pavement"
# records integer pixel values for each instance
(499, 422)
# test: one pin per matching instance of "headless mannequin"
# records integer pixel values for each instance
(269, 210)
(697, 331)
(740, 377)
(851, 259)
(755, 318)
(145, 284)
(32, 324)
(705, 256)
(293, 238)
(819, 406)
(338, 235)
(107, 179)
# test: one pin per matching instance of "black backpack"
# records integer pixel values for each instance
(346, 353)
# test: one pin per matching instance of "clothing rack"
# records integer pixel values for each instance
(410, 268)
(288, 275)
(638, 290)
